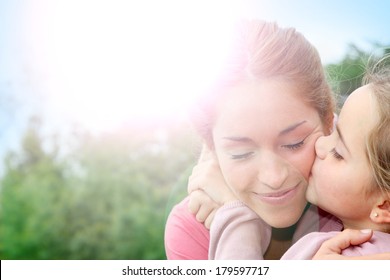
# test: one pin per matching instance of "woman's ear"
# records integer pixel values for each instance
(381, 212)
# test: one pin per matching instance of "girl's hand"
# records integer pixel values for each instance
(203, 207)
(207, 188)
(332, 248)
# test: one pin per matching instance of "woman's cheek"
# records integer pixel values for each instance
(304, 160)
(237, 176)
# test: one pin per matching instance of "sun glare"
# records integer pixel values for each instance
(106, 62)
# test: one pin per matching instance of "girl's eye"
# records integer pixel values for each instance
(294, 146)
(241, 156)
(336, 154)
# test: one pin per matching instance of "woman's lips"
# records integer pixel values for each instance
(279, 197)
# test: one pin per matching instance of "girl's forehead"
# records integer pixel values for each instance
(362, 103)
(359, 114)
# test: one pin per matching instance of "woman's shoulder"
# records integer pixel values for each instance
(181, 215)
(185, 237)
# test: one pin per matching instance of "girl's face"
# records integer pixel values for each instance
(341, 181)
(264, 139)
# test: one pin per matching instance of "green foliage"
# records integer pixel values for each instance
(107, 198)
(347, 75)
(32, 195)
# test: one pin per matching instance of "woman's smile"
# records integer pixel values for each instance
(279, 197)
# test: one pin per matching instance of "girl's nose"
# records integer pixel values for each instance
(320, 147)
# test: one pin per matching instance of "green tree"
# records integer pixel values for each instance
(128, 178)
(105, 198)
(347, 75)
(32, 192)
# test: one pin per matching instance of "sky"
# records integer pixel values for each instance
(102, 63)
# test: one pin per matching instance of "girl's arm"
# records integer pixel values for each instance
(207, 188)
(332, 248)
(238, 233)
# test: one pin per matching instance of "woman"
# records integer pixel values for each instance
(260, 123)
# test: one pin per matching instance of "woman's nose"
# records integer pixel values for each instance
(320, 147)
(273, 172)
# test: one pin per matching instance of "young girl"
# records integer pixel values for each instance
(351, 174)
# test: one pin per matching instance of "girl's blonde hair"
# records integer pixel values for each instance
(378, 145)
(263, 50)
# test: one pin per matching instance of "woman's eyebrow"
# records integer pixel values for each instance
(238, 139)
(291, 128)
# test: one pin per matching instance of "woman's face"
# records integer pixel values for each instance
(264, 139)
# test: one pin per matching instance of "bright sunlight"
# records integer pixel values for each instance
(102, 63)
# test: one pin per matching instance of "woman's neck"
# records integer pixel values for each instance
(281, 240)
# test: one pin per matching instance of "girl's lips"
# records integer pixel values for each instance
(279, 197)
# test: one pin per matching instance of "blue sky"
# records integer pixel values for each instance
(102, 63)
(330, 25)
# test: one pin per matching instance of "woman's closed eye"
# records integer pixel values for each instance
(336, 155)
(294, 146)
(238, 156)
(297, 145)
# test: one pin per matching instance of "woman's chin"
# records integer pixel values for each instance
(284, 221)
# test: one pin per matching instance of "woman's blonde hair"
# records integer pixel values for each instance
(263, 50)
(378, 145)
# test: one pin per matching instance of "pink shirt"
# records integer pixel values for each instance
(185, 238)
(234, 223)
